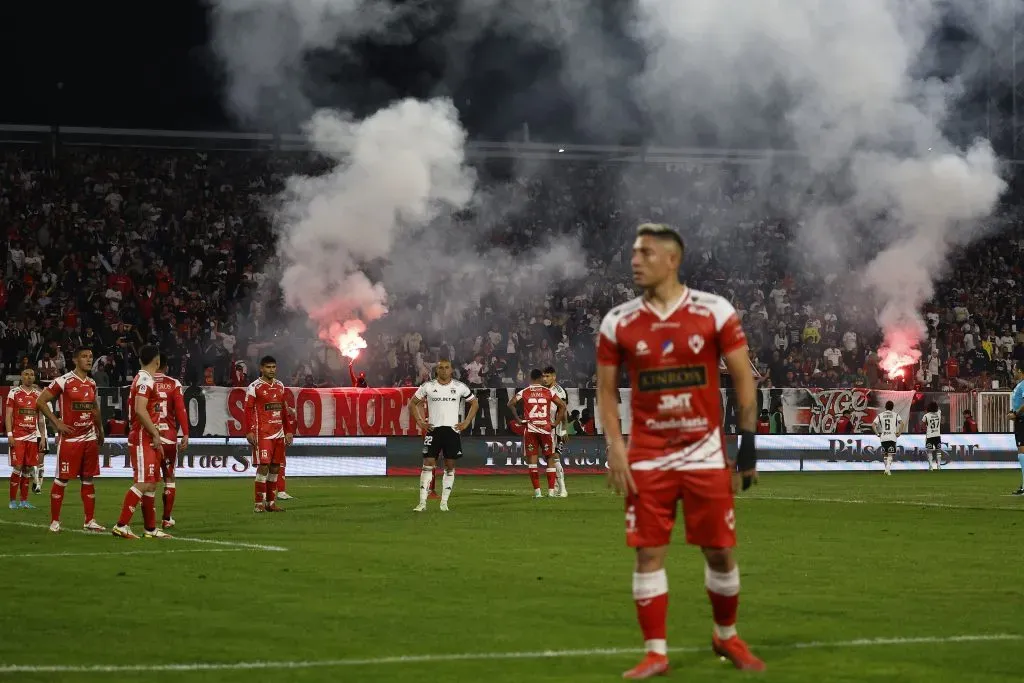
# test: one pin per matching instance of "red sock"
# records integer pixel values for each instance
(89, 500)
(724, 592)
(534, 476)
(271, 489)
(551, 477)
(24, 486)
(280, 481)
(169, 490)
(261, 490)
(149, 510)
(15, 485)
(56, 499)
(131, 499)
(650, 592)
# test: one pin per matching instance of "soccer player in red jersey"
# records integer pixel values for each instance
(22, 423)
(172, 417)
(268, 429)
(670, 340)
(79, 437)
(538, 438)
(146, 448)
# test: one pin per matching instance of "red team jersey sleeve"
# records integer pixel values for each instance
(730, 332)
(608, 352)
(249, 410)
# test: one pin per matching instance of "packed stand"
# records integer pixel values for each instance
(112, 247)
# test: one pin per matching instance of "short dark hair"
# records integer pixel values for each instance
(550, 370)
(82, 349)
(889, 405)
(933, 407)
(661, 231)
(536, 374)
(148, 353)
(267, 360)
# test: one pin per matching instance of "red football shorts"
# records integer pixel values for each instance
(146, 460)
(268, 452)
(169, 459)
(535, 443)
(77, 459)
(24, 454)
(707, 501)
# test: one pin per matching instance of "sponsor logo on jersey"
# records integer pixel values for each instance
(679, 377)
(641, 348)
(681, 423)
(670, 403)
(82, 405)
(274, 405)
(667, 347)
(27, 411)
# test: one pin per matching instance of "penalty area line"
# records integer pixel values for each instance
(482, 656)
(861, 501)
(185, 539)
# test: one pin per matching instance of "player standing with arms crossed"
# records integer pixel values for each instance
(550, 380)
(268, 429)
(146, 448)
(670, 340)
(933, 436)
(24, 437)
(538, 439)
(888, 426)
(444, 397)
(172, 415)
(1017, 415)
(79, 437)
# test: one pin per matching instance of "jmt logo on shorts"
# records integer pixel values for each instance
(673, 402)
(681, 377)
(82, 405)
(273, 406)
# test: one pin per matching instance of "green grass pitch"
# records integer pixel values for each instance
(918, 577)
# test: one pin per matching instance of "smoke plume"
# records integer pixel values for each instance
(844, 84)
(388, 219)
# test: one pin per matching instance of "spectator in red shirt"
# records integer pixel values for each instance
(845, 423)
(970, 426)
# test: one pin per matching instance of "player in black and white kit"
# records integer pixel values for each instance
(444, 397)
(888, 426)
(933, 435)
(561, 434)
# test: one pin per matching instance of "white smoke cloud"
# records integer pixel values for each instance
(396, 178)
(842, 83)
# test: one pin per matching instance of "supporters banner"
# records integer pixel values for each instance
(217, 411)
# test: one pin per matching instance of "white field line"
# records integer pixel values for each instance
(859, 501)
(126, 552)
(525, 490)
(479, 656)
(187, 539)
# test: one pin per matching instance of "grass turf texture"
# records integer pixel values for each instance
(918, 555)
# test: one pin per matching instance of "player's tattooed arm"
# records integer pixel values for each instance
(43, 405)
(97, 419)
(738, 363)
(513, 406)
(417, 413)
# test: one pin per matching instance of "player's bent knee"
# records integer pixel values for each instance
(718, 559)
(651, 559)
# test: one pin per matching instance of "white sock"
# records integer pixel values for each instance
(447, 482)
(425, 475)
(560, 474)
(888, 462)
(37, 475)
(931, 460)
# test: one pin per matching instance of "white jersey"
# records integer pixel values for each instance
(560, 393)
(932, 424)
(888, 425)
(444, 401)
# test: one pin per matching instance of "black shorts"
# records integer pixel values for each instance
(933, 443)
(442, 440)
(889, 447)
(1018, 431)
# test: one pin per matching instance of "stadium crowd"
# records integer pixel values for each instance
(113, 247)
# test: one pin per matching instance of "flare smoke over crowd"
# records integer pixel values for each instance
(866, 93)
